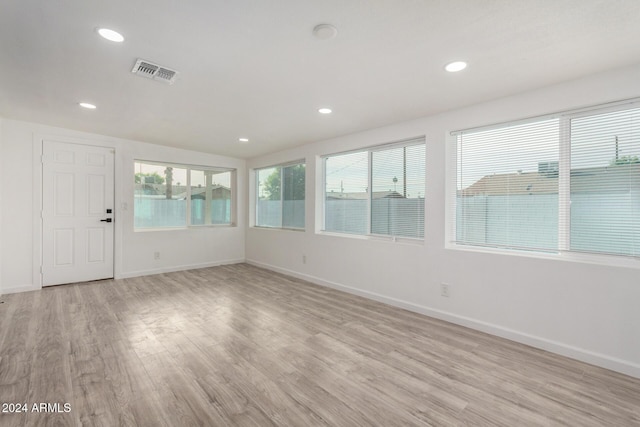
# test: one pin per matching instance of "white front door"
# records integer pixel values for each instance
(77, 213)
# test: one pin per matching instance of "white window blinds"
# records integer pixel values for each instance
(378, 191)
(507, 186)
(397, 196)
(605, 183)
(568, 183)
(346, 196)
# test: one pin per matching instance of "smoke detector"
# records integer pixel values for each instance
(325, 31)
(153, 71)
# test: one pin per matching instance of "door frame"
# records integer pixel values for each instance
(38, 144)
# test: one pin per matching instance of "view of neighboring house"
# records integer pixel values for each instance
(363, 195)
(521, 209)
(392, 214)
(180, 191)
(155, 209)
(218, 192)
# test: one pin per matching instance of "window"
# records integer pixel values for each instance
(280, 196)
(169, 196)
(210, 197)
(564, 183)
(379, 191)
(508, 186)
(605, 183)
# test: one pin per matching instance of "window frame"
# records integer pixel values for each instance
(407, 142)
(256, 199)
(563, 251)
(189, 168)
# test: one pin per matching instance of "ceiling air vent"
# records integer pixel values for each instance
(154, 71)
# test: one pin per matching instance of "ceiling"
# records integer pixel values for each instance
(252, 68)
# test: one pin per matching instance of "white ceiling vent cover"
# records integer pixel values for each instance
(154, 71)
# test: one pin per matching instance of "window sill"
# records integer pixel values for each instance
(263, 227)
(190, 227)
(585, 258)
(375, 237)
(211, 226)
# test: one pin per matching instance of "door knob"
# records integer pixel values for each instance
(106, 220)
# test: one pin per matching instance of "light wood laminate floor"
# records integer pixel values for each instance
(239, 345)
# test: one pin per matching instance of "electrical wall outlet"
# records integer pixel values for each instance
(156, 255)
(444, 290)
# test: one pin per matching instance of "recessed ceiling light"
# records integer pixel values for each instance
(454, 67)
(325, 31)
(324, 111)
(88, 106)
(111, 35)
(243, 139)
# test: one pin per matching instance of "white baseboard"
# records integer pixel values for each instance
(129, 274)
(18, 289)
(126, 275)
(597, 359)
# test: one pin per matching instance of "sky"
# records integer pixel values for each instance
(348, 173)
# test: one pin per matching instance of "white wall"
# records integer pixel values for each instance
(586, 311)
(1, 237)
(179, 249)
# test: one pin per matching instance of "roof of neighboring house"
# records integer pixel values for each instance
(513, 183)
(180, 191)
(216, 189)
(582, 180)
(364, 195)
